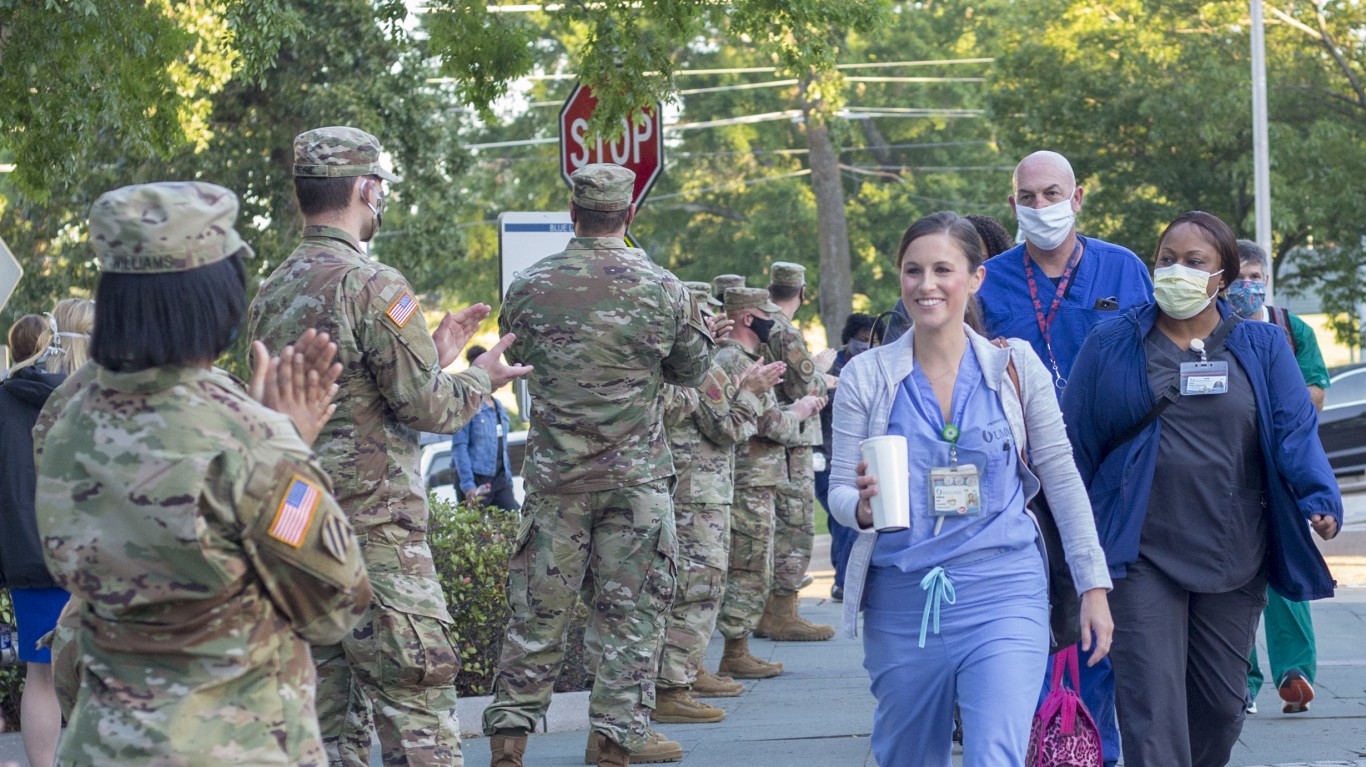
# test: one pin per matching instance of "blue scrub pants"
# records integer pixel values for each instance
(1098, 693)
(841, 538)
(989, 651)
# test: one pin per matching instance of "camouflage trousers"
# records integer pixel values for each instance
(703, 550)
(794, 527)
(623, 539)
(750, 572)
(396, 670)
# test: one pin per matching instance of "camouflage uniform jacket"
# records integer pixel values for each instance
(760, 461)
(390, 386)
(605, 328)
(207, 550)
(786, 344)
(704, 425)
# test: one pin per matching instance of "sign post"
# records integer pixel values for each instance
(639, 148)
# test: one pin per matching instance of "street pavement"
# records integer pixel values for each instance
(819, 712)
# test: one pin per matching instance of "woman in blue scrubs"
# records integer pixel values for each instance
(956, 606)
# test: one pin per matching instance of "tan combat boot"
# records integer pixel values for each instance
(709, 685)
(737, 662)
(771, 619)
(507, 750)
(657, 749)
(790, 626)
(674, 705)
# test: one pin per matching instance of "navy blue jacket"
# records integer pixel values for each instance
(22, 396)
(1109, 392)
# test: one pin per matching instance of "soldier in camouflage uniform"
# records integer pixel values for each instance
(605, 329)
(795, 505)
(760, 468)
(197, 533)
(704, 424)
(401, 658)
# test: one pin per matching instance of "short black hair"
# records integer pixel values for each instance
(994, 236)
(318, 194)
(473, 353)
(598, 223)
(178, 318)
(856, 323)
(784, 292)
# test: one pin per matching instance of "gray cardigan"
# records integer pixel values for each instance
(863, 406)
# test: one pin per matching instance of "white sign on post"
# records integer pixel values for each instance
(10, 272)
(524, 239)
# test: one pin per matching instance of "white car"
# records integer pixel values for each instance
(435, 465)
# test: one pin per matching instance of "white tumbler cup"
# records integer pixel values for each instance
(886, 457)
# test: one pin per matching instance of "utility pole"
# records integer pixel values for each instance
(1261, 164)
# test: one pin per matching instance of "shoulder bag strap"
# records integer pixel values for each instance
(1014, 378)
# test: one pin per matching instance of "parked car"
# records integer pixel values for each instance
(435, 465)
(1342, 424)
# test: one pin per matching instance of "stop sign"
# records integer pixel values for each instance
(640, 147)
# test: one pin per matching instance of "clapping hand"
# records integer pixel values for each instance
(491, 362)
(300, 383)
(757, 378)
(456, 330)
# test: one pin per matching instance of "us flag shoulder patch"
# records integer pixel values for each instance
(295, 512)
(403, 309)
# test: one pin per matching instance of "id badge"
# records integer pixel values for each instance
(955, 491)
(1199, 378)
(499, 430)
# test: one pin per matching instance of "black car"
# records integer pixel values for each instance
(1342, 424)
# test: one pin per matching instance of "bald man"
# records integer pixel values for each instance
(1050, 290)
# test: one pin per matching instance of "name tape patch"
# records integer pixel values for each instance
(295, 512)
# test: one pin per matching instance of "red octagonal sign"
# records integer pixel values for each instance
(640, 147)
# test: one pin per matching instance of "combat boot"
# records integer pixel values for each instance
(737, 662)
(656, 749)
(770, 620)
(709, 685)
(507, 750)
(789, 626)
(674, 705)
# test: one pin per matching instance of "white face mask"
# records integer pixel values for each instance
(1046, 227)
(1182, 292)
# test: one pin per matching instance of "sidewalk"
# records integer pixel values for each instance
(819, 713)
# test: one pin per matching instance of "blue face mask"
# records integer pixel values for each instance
(1246, 297)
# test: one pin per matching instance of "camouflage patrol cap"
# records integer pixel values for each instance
(721, 282)
(603, 186)
(171, 226)
(738, 299)
(787, 274)
(338, 151)
(702, 292)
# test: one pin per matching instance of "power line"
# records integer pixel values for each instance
(733, 184)
(757, 70)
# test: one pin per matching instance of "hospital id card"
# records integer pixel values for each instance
(955, 491)
(1199, 378)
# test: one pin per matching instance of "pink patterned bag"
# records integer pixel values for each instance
(1064, 735)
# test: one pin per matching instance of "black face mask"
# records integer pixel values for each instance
(761, 328)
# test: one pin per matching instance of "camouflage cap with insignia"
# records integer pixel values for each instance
(338, 151)
(787, 274)
(702, 292)
(603, 186)
(722, 282)
(738, 299)
(171, 226)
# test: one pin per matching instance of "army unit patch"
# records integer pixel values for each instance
(403, 309)
(336, 535)
(295, 512)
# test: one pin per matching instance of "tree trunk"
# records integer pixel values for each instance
(836, 296)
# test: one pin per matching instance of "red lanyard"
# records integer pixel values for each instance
(1046, 323)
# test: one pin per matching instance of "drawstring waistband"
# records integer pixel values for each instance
(938, 589)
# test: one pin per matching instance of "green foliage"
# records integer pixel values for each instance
(471, 547)
(12, 678)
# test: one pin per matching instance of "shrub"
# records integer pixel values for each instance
(470, 548)
(12, 678)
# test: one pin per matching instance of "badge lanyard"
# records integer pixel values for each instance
(954, 490)
(1046, 323)
(1203, 377)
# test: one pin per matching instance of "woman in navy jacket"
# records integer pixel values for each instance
(1203, 507)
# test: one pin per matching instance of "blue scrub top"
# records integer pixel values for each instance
(985, 440)
(1105, 271)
